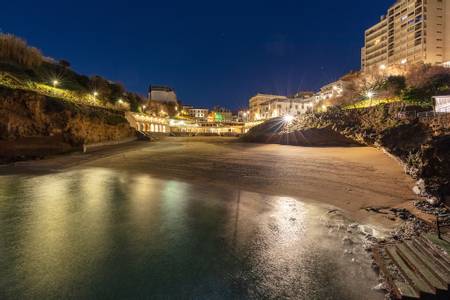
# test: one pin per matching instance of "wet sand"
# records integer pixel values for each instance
(351, 178)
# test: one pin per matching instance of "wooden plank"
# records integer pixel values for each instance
(441, 273)
(419, 285)
(420, 268)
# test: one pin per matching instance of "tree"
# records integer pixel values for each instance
(64, 63)
(394, 85)
(424, 82)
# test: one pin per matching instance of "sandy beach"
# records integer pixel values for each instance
(351, 178)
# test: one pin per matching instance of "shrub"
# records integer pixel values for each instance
(426, 81)
(394, 85)
(16, 50)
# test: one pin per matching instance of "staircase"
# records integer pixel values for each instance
(415, 269)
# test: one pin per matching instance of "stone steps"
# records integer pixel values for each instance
(423, 272)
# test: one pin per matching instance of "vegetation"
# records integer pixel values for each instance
(16, 50)
(415, 85)
(24, 67)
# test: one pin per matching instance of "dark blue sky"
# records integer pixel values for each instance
(211, 52)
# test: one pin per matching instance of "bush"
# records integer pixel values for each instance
(16, 50)
(394, 85)
(424, 82)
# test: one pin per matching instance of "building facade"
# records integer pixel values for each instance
(162, 93)
(200, 114)
(412, 31)
(264, 107)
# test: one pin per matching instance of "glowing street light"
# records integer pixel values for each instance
(55, 83)
(288, 119)
(383, 67)
(404, 61)
(144, 107)
(370, 94)
(95, 94)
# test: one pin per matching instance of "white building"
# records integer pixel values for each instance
(198, 113)
(442, 104)
(264, 107)
(332, 90)
(162, 94)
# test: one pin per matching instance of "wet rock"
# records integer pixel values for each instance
(427, 207)
(433, 200)
(380, 287)
(353, 225)
(347, 240)
(419, 188)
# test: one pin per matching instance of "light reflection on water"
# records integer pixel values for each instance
(98, 233)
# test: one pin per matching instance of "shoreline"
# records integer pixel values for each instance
(249, 168)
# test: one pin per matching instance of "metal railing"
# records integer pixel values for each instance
(423, 114)
(442, 220)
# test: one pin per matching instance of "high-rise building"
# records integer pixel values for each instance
(412, 31)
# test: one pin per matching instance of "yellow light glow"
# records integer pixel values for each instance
(288, 119)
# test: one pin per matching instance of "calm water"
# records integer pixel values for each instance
(97, 233)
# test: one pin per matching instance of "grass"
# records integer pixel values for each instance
(14, 82)
(370, 103)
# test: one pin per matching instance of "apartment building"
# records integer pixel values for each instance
(411, 31)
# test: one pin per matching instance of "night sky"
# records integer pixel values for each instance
(214, 52)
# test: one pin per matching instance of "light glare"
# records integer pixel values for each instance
(288, 119)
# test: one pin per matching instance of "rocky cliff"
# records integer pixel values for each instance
(33, 125)
(422, 144)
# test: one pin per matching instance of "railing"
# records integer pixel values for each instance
(442, 220)
(424, 114)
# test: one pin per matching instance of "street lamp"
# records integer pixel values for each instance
(288, 119)
(55, 83)
(95, 94)
(370, 95)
